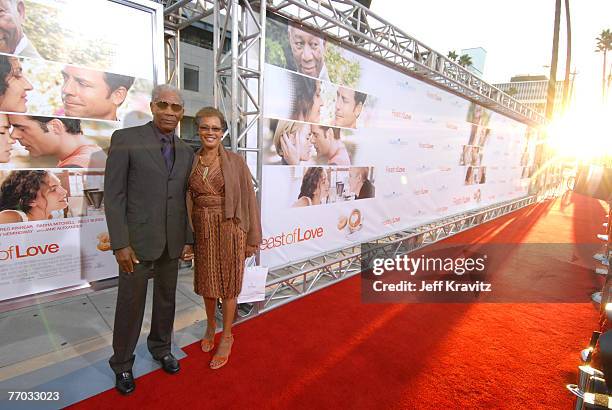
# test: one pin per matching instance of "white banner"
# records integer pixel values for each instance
(49, 261)
(354, 150)
(46, 255)
(69, 82)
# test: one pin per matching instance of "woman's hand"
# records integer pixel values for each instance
(250, 250)
(290, 151)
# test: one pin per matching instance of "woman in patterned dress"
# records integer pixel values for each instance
(225, 217)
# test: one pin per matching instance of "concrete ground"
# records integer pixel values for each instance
(41, 344)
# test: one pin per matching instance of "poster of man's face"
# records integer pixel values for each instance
(48, 29)
(39, 87)
(32, 136)
(307, 50)
(12, 14)
(349, 104)
(43, 104)
(93, 94)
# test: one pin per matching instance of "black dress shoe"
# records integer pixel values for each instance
(169, 363)
(124, 382)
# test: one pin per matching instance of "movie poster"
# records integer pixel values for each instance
(71, 72)
(354, 150)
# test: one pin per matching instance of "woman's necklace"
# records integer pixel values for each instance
(206, 165)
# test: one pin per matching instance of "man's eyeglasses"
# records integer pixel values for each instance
(209, 129)
(162, 105)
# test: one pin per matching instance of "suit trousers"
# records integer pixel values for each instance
(129, 314)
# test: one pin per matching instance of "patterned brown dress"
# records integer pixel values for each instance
(220, 244)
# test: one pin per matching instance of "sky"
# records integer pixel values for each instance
(516, 34)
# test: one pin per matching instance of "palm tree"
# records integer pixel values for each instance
(568, 57)
(604, 44)
(552, 80)
(465, 60)
(452, 55)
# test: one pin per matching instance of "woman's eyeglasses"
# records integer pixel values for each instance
(162, 105)
(205, 128)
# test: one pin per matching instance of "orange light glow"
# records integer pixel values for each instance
(581, 134)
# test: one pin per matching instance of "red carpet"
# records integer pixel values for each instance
(328, 350)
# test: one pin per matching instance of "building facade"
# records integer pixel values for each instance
(532, 90)
(196, 76)
(479, 57)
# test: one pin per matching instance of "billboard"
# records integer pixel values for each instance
(355, 150)
(71, 72)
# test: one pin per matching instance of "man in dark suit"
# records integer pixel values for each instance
(144, 193)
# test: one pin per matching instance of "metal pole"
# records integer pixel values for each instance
(216, 51)
(234, 117)
(552, 81)
(170, 55)
(258, 307)
(175, 6)
(262, 78)
(178, 70)
(573, 79)
(244, 62)
(568, 57)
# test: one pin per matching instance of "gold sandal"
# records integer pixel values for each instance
(207, 344)
(218, 362)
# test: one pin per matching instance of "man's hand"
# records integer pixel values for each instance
(187, 253)
(126, 258)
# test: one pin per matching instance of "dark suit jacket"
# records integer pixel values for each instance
(144, 203)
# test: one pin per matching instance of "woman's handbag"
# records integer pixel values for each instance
(253, 282)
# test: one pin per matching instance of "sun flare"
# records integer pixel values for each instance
(581, 134)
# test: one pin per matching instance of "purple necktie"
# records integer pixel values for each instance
(167, 151)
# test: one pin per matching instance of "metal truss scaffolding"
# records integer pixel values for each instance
(238, 83)
(179, 14)
(358, 28)
(238, 92)
(238, 74)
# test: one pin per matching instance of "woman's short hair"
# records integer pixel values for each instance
(310, 182)
(20, 188)
(305, 89)
(210, 112)
(5, 70)
(288, 127)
